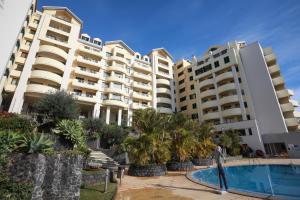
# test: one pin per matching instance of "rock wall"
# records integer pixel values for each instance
(54, 177)
(93, 178)
(180, 166)
(147, 170)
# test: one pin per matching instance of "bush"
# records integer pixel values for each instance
(58, 106)
(231, 141)
(112, 135)
(16, 123)
(36, 143)
(94, 128)
(72, 130)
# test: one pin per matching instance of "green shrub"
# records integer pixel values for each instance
(230, 139)
(36, 143)
(112, 135)
(58, 106)
(16, 123)
(72, 130)
(94, 128)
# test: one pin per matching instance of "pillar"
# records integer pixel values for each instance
(107, 114)
(96, 111)
(129, 117)
(119, 116)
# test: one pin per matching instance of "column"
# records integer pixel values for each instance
(129, 117)
(96, 111)
(107, 114)
(120, 117)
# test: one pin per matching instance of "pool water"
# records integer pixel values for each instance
(279, 181)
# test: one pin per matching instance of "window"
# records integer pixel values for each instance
(137, 56)
(18, 44)
(182, 99)
(116, 97)
(243, 92)
(77, 92)
(191, 78)
(203, 69)
(14, 81)
(192, 87)
(36, 21)
(217, 64)
(24, 55)
(193, 96)
(245, 104)
(27, 43)
(240, 80)
(190, 69)
(85, 38)
(181, 73)
(250, 131)
(224, 51)
(181, 90)
(19, 67)
(183, 108)
(236, 69)
(179, 66)
(108, 54)
(248, 117)
(80, 80)
(226, 59)
(181, 81)
(242, 132)
(195, 116)
(194, 105)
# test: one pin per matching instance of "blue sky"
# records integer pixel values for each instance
(189, 27)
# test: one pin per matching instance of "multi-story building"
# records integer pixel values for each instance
(240, 87)
(185, 92)
(108, 79)
(15, 16)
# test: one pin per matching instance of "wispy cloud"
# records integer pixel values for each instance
(297, 96)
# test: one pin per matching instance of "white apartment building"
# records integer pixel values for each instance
(240, 87)
(109, 79)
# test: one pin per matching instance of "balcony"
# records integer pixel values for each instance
(139, 106)
(270, 58)
(87, 61)
(164, 100)
(142, 96)
(142, 67)
(290, 122)
(163, 91)
(85, 97)
(25, 47)
(116, 79)
(91, 50)
(211, 115)
(226, 75)
(46, 75)
(278, 81)
(20, 60)
(142, 76)
(287, 107)
(209, 104)
(163, 82)
(208, 93)
(84, 84)
(112, 102)
(267, 51)
(227, 87)
(44, 61)
(231, 112)
(15, 73)
(118, 68)
(273, 69)
(229, 99)
(164, 110)
(29, 36)
(142, 86)
(163, 74)
(117, 58)
(295, 103)
(53, 50)
(206, 82)
(33, 25)
(116, 90)
(89, 73)
(41, 89)
(284, 93)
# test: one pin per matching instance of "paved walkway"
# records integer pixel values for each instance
(175, 186)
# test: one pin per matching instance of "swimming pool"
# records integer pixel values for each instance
(279, 181)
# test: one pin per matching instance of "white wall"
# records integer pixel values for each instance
(12, 15)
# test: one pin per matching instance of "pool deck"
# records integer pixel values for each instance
(176, 186)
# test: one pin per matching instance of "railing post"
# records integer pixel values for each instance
(106, 180)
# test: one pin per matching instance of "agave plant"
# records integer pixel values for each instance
(36, 143)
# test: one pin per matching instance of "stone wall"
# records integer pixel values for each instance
(147, 170)
(180, 166)
(54, 177)
(92, 178)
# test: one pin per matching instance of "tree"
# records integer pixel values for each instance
(230, 140)
(58, 106)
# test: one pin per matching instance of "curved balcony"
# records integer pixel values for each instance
(278, 81)
(117, 58)
(164, 110)
(141, 96)
(274, 69)
(142, 76)
(85, 61)
(142, 67)
(229, 99)
(116, 79)
(231, 112)
(84, 98)
(92, 51)
(115, 90)
(290, 122)
(284, 93)
(87, 73)
(142, 86)
(206, 82)
(111, 102)
(54, 50)
(287, 107)
(117, 68)
(138, 106)
(85, 85)
(163, 82)
(164, 100)
(226, 87)
(270, 57)
(46, 75)
(208, 93)
(211, 115)
(42, 89)
(226, 75)
(163, 90)
(50, 62)
(209, 104)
